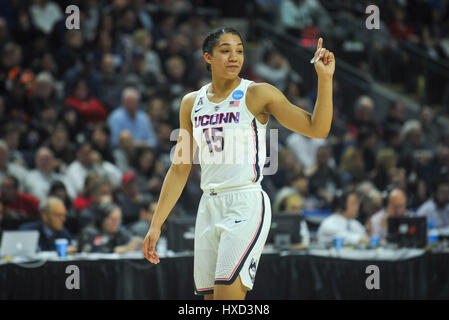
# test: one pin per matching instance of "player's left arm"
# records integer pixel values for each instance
(270, 100)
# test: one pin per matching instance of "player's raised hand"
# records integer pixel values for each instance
(323, 60)
(149, 245)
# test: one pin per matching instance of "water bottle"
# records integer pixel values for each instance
(432, 232)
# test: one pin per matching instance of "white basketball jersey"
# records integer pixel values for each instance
(231, 141)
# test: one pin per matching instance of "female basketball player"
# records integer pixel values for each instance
(234, 213)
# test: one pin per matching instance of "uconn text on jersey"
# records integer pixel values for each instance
(217, 118)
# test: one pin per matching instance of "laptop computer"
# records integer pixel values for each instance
(19, 243)
(408, 232)
(285, 229)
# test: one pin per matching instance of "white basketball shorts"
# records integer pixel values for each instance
(230, 233)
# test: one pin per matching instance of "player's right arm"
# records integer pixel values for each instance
(175, 179)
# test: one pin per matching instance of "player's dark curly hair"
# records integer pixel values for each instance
(211, 40)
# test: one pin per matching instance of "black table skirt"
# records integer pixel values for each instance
(278, 277)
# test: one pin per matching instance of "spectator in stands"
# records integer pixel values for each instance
(362, 117)
(288, 166)
(105, 235)
(192, 192)
(386, 164)
(45, 92)
(274, 69)
(148, 171)
(367, 143)
(105, 45)
(165, 144)
(78, 169)
(1, 219)
(305, 148)
(125, 151)
(129, 198)
(430, 128)
(146, 211)
(100, 138)
(7, 168)
(51, 225)
(324, 180)
(370, 201)
(17, 205)
(47, 63)
(440, 162)
(296, 15)
(352, 166)
(415, 155)
(343, 222)
(401, 28)
(143, 16)
(71, 51)
(25, 32)
(20, 85)
(436, 208)
(144, 40)
(392, 137)
(127, 23)
(176, 70)
(395, 114)
(39, 180)
(129, 117)
(146, 81)
(11, 136)
(2, 110)
(62, 148)
(301, 183)
(158, 111)
(396, 206)
(41, 126)
(106, 169)
(288, 200)
(59, 190)
(101, 191)
(89, 108)
(85, 198)
(111, 83)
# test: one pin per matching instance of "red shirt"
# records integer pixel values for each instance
(24, 206)
(81, 203)
(90, 111)
(401, 32)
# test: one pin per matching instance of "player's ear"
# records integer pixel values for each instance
(207, 57)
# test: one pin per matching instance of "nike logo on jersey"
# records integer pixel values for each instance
(198, 109)
(238, 221)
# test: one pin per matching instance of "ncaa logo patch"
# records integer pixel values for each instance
(252, 269)
(237, 94)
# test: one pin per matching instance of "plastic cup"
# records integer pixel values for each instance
(61, 247)
(338, 243)
(374, 242)
(432, 237)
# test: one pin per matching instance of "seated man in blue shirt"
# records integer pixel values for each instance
(129, 117)
(51, 225)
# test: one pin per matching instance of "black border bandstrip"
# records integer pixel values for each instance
(237, 271)
(257, 150)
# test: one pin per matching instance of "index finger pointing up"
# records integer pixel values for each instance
(320, 43)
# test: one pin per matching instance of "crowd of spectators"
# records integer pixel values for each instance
(409, 50)
(86, 118)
